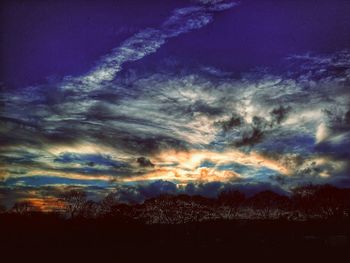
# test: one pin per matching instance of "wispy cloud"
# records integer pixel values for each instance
(146, 42)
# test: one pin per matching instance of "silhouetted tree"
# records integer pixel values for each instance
(124, 213)
(193, 208)
(171, 209)
(107, 204)
(267, 202)
(310, 201)
(231, 201)
(303, 200)
(74, 201)
(2, 209)
(90, 209)
(346, 193)
(330, 201)
(23, 207)
(160, 209)
(323, 201)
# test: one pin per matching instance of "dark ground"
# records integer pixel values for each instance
(51, 238)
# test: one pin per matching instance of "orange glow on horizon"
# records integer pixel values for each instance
(45, 204)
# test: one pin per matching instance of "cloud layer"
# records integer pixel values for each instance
(195, 130)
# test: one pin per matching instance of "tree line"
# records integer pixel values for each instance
(305, 203)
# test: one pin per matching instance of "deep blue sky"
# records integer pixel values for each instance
(57, 38)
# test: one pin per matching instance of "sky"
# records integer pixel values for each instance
(149, 97)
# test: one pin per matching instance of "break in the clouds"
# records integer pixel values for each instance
(197, 130)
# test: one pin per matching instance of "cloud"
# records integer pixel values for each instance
(144, 162)
(140, 193)
(146, 42)
(234, 121)
(88, 159)
(39, 181)
(201, 129)
(279, 114)
(322, 133)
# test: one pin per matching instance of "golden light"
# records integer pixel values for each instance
(185, 166)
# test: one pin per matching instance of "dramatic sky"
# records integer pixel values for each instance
(149, 97)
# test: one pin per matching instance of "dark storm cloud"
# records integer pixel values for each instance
(254, 134)
(157, 188)
(140, 193)
(279, 114)
(338, 118)
(144, 162)
(234, 121)
(143, 144)
(251, 188)
(211, 189)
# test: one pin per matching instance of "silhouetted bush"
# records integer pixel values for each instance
(230, 202)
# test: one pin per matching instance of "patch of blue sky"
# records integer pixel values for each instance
(207, 163)
(238, 168)
(89, 159)
(248, 171)
(339, 150)
(294, 144)
(36, 181)
(264, 174)
(168, 164)
(220, 142)
(20, 158)
(95, 171)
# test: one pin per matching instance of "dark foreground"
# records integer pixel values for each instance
(51, 237)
